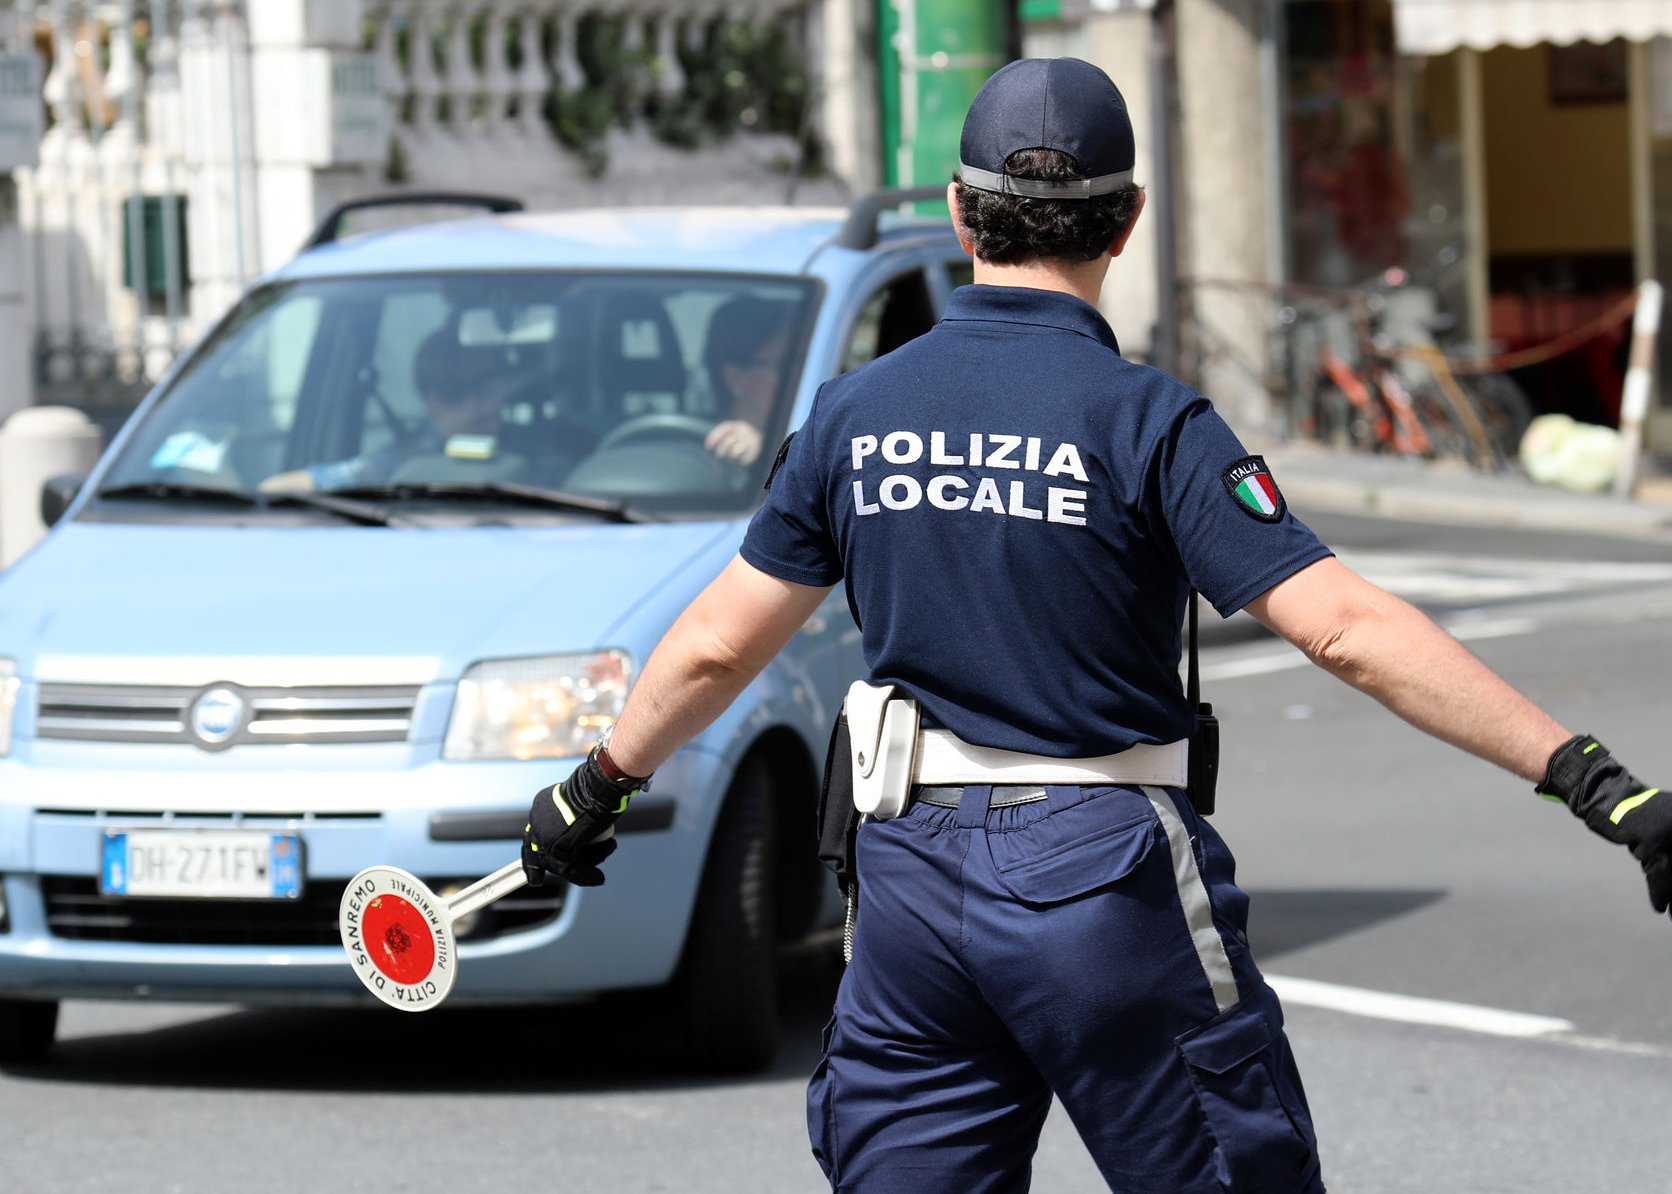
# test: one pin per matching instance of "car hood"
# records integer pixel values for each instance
(434, 600)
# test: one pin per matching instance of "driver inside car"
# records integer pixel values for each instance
(748, 339)
(463, 395)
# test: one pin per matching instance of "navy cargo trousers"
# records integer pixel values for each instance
(1091, 945)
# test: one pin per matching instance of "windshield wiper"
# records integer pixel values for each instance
(166, 490)
(608, 509)
(177, 491)
(343, 507)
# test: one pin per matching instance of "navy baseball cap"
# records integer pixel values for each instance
(1047, 103)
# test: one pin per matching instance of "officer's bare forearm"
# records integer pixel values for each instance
(1400, 657)
(682, 690)
(1390, 650)
(710, 654)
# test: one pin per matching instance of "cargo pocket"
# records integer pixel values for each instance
(1076, 850)
(1251, 1098)
(821, 1117)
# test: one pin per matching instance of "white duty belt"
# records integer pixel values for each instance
(891, 753)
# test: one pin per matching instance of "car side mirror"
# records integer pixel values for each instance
(56, 495)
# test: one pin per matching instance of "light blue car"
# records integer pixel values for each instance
(380, 557)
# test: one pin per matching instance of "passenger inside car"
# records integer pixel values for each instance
(463, 390)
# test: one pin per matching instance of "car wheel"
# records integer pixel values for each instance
(725, 989)
(26, 1028)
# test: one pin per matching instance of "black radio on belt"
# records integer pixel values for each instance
(1203, 779)
(837, 817)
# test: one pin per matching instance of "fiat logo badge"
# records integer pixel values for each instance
(216, 716)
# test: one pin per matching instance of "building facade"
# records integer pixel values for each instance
(156, 156)
(1512, 156)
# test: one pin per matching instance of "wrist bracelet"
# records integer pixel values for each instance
(614, 773)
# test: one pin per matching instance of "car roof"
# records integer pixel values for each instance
(731, 239)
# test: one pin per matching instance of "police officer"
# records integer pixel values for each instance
(1019, 515)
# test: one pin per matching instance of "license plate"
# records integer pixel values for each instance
(201, 863)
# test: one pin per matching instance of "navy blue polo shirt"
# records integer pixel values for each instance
(1019, 515)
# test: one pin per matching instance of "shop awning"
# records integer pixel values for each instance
(1437, 26)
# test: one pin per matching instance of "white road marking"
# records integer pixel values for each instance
(1497, 628)
(1254, 665)
(1433, 576)
(1608, 1044)
(1452, 579)
(1462, 629)
(1412, 1009)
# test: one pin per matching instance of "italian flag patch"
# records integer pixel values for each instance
(1249, 482)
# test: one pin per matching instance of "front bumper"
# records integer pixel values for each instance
(430, 819)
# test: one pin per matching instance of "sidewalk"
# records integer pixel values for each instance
(1314, 477)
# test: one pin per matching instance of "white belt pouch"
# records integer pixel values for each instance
(890, 754)
(882, 734)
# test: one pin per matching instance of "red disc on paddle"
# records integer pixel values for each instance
(398, 939)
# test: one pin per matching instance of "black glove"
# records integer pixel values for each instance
(1617, 805)
(571, 826)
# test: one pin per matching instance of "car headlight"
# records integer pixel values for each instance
(543, 707)
(8, 702)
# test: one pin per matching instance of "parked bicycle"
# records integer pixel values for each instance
(1366, 371)
(1364, 368)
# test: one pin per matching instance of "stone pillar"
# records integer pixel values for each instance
(1116, 39)
(1119, 43)
(36, 445)
(321, 122)
(16, 376)
(20, 144)
(1221, 166)
(844, 49)
(214, 140)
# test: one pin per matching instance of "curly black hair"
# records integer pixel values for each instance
(1011, 229)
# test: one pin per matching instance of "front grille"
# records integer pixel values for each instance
(76, 911)
(156, 713)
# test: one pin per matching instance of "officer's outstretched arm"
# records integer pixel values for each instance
(1387, 648)
(708, 656)
(1394, 652)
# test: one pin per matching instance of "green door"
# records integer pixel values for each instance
(935, 55)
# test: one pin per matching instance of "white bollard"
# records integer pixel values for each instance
(1634, 402)
(36, 443)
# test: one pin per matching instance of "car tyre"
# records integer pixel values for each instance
(725, 989)
(27, 1027)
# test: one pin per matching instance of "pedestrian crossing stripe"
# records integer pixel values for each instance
(1249, 481)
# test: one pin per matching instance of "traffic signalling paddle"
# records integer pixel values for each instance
(399, 933)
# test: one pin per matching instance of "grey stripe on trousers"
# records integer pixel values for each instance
(1193, 898)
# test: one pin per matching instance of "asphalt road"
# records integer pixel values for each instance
(1378, 860)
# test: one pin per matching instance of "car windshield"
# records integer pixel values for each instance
(661, 392)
